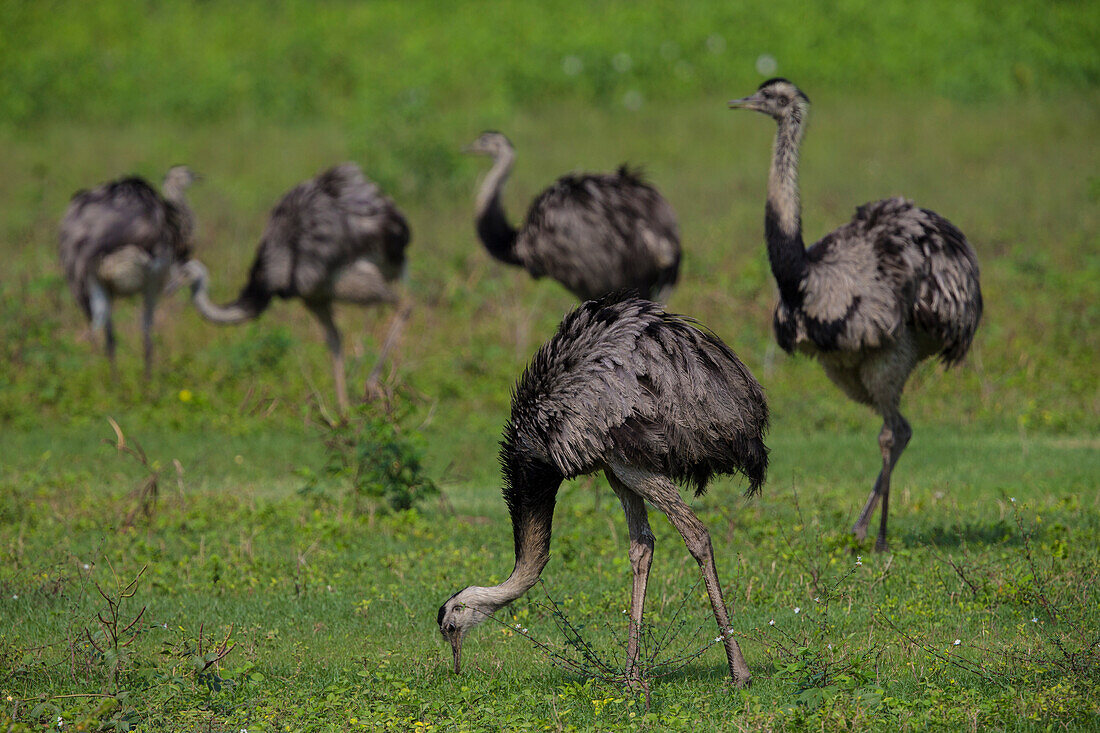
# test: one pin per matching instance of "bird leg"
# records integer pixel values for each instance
(641, 558)
(397, 325)
(323, 313)
(892, 439)
(99, 303)
(663, 494)
(148, 310)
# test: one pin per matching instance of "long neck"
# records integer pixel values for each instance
(245, 308)
(174, 193)
(783, 211)
(530, 495)
(498, 236)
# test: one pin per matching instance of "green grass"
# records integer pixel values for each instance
(987, 115)
(333, 613)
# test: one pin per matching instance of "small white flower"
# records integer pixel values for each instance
(15, 597)
(1012, 499)
(518, 626)
(624, 610)
(1034, 619)
(957, 642)
(772, 622)
(717, 639)
(797, 609)
(817, 599)
(87, 566)
(729, 630)
(859, 563)
(525, 631)
(830, 646)
(164, 625)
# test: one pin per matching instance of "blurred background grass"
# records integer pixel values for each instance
(983, 111)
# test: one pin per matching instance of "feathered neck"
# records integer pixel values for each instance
(498, 236)
(783, 211)
(249, 304)
(175, 191)
(530, 491)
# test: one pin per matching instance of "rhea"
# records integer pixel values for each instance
(123, 238)
(648, 398)
(895, 285)
(594, 233)
(333, 238)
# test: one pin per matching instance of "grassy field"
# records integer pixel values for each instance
(278, 598)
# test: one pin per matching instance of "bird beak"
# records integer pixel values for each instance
(456, 647)
(749, 102)
(471, 149)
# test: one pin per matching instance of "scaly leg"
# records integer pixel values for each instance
(641, 558)
(663, 494)
(892, 439)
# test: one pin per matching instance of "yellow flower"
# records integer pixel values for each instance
(185, 395)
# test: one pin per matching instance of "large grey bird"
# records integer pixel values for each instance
(895, 285)
(594, 233)
(335, 237)
(123, 238)
(648, 398)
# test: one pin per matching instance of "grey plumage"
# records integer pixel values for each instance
(335, 237)
(647, 397)
(870, 300)
(594, 233)
(122, 238)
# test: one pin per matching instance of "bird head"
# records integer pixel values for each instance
(179, 177)
(462, 611)
(192, 273)
(491, 143)
(777, 98)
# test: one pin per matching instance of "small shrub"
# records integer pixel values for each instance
(378, 456)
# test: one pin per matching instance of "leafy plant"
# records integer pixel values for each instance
(378, 456)
(110, 642)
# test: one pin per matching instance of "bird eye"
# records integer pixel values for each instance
(783, 101)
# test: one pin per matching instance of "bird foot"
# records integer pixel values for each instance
(859, 532)
(881, 545)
